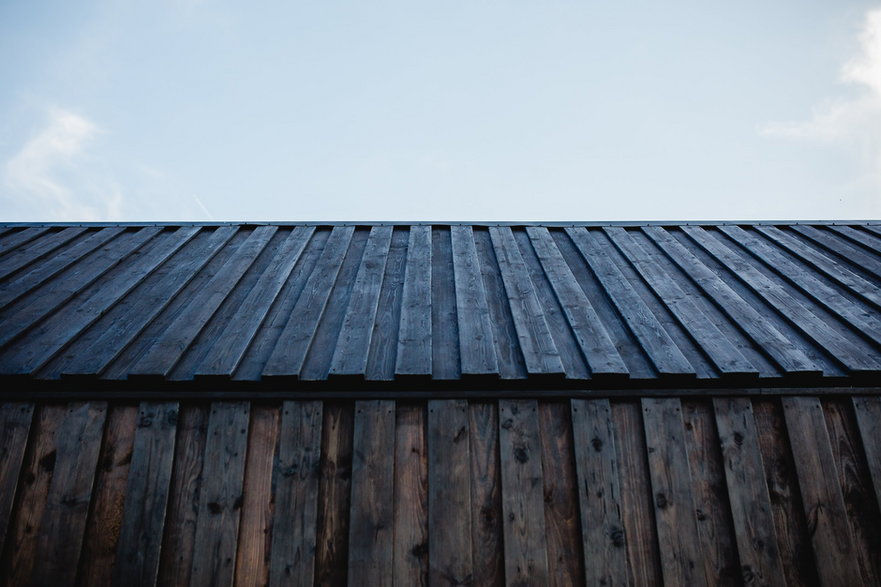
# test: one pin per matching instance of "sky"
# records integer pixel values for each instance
(208, 110)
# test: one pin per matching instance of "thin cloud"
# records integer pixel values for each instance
(51, 172)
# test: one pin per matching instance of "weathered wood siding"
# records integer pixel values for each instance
(650, 491)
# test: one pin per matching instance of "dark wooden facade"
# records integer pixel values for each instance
(452, 404)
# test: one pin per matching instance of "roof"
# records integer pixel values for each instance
(441, 306)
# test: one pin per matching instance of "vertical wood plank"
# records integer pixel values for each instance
(450, 559)
(15, 426)
(599, 493)
(39, 463)
(296, 494)
(108, 497)
(640, 532)
(681, 558)
(371, 518)
(411, 496)
(834, 548)
(486, 494)
(176, 556)
(63, 524)
(331, 559)
(526, 561)
(146, 498)
(718, 544)
(414, 338)
(748, 493)
(562, 514)
(220, 496)
(868, 412)
(253, 556)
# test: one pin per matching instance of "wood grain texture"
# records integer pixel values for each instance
(411, 496)
(868, 414)
(15, 426)
(486, 494)
(524, 529)
(414, 338)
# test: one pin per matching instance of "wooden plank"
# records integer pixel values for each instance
(856, 486)
(831, 535)
(15, 426)
(748, 495)
(445, 359)
(678, 535)
(599, 351)
(868, 414)
(533, 333)
(176, 556)
(62, 526)
(129, 318)
(722, 351)
(851, 253)
(21, 237)
(477, 349)
(604, 540)
(561, 487)
(371, 518)
(332, 556)
(526, 549)
(718, 542)
(20, 552)
(384, 342)
(846, 352)
(450, 559)
(228, 350)
(486, 494)
(297, 471)
(293, 343)
(220, 495)
(108, 496)
(165, 351)
(662, 351)
(640, 531)
(411, 496)
(353, 344)
(414, 338)
(255, 528)
(50, 337)
(788, 356)
(37, 250)
(855, 235)
(146, 495)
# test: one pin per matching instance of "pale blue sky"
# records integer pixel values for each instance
(478, 110)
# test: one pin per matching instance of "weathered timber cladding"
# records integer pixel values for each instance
(761, 491)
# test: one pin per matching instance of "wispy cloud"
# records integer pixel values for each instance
(854, 122)
(55, 173)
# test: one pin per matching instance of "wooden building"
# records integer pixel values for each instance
(448, 404)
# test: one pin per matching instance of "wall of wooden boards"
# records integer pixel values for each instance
(722, 491)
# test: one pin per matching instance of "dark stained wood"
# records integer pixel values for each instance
(680, 546)
(178, 541)
(384, 342)
(353, 344)
(793, 540)
(332, 556)
(36, 250)
(449, 494)
(220, 496)
(411, 497)
(476, 345)
(751, 513)
(601, 355)
(526, 559)
(486, 494)
(371, 518)
(831, 535)
(63, 523)
(15, 425)
(255, 527)
(296, 474)
(842, 248)
(414, 338)
(637, 510)
(227, 351)
(108, 496)
(604, 539)
(146, 497)
(718, 544)
(534, 335)
(11, 241)
(868, 414)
